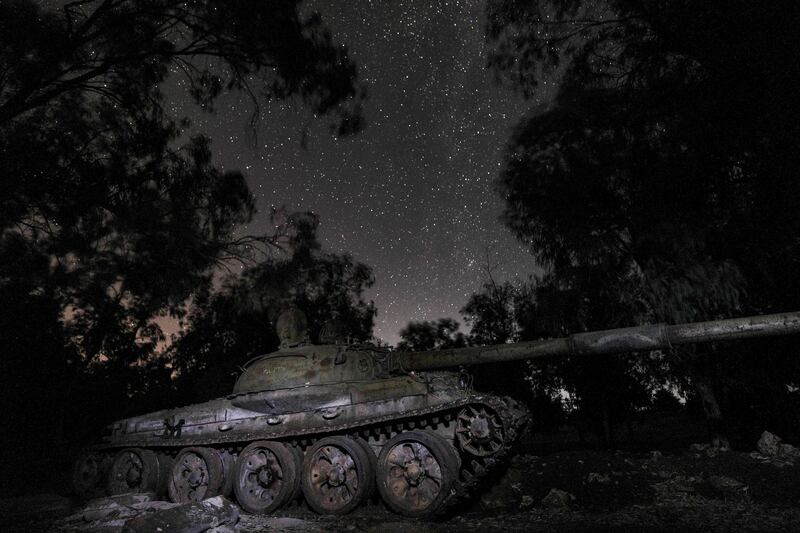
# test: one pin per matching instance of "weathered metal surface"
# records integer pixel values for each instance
(252, 425)
(633, 339)
(308, 365)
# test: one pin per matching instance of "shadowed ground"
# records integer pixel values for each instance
(701, 489)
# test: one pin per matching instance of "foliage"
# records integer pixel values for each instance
(660, 183)
(237, 322)
(659, 152)
(109, 214)
(490, 314)
(431, 335)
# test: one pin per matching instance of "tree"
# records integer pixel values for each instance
(660, 170)
(110, 196)
(228, 327)
(431, 335)
(490, 313)
(119, 216)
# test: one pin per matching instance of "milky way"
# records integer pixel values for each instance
(412, 195)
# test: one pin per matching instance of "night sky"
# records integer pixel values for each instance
(412, 194)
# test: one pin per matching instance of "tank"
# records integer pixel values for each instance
(340, 424)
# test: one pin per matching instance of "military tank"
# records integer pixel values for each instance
(336, 422)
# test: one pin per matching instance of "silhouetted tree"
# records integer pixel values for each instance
(431, 335)
(664, 169)
(109, 214)
(237, 322)
(490, 314)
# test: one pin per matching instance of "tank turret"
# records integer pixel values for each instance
(336, 422)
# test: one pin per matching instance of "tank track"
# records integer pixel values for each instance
(441, 420)
(515, 417)
(473, 470)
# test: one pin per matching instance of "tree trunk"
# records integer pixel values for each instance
(607, 435)
(714, 420)
(631, 434)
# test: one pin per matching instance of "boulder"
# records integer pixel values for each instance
(773, 446)
(595, 477)
(558, 499)
(710, 450)
(725, 483)
(655, 455)
(195, 517)
(113, 507)
(526, 502)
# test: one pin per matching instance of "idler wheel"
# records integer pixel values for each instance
(89, 473)
(416, 471)
(479, 431)
(196, 474)
(135, 470)
(265, 476)
(337, 475)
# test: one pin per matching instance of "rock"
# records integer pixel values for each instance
(193, 517)
(725, 483)
(595, 477)
(250, 522)
(526, 502)
(35, 505)
(769, 444)
(772, 450)
(222, 529)
(558, 499)
(129, 498)
(773, 446)
(523, 460)
(675, 488)
(395, 527)
(655, 455)
(113, 507)
(708, 449)
(504, 493)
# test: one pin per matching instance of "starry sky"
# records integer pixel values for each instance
(412, 195)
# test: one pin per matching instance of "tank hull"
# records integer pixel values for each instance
(374, 411)
(222, 421)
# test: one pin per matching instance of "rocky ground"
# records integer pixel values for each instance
(701, 489)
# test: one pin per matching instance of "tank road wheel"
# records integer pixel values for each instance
(228, 464)
(135, 470)
(89, 473)
(416, 472)
(479, 431)
(337, 475)
(196, 474)
(372, 460)
(265, 476)
(297, 453)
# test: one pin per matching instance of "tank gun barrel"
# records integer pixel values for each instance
(631, 339)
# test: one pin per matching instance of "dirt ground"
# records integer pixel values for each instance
(694, 490)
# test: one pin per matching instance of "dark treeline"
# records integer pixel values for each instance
(112, 215)
(659, 185)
